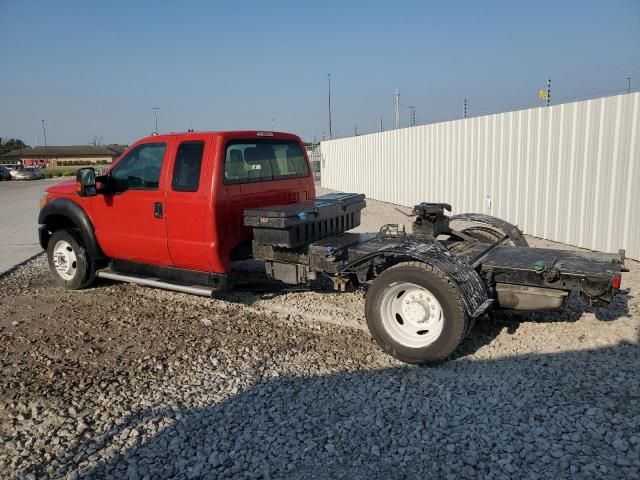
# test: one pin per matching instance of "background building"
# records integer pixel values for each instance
(63, 156)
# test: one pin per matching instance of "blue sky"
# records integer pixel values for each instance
(97, 68)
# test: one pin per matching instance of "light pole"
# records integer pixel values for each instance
(330, 130)
(628, 84)
(397, 100)
(46, 151)
(155, 116)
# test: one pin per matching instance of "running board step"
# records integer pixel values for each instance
(157, 283)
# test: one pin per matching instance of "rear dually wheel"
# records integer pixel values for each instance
(415, 313)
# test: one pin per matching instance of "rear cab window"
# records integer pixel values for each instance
(263, 160)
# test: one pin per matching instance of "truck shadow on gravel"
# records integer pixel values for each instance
(549, 415)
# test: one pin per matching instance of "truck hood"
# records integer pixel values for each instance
(65, 187)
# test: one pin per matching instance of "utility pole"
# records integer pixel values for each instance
(46, 151)
(380, 124)
(155, 116)
(273, 124)
(548, 91)
(628, 84)
(465, 108)
(412, 121)
(330, 130)
(397, 109)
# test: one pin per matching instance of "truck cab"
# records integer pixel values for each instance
(175, 201)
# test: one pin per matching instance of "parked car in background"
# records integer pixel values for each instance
(28, 173)
(5, 174)
(13, 172)
(23, 175)
(37, 172)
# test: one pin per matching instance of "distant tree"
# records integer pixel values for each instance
(9, 144)
(12, 143)
(96, 140)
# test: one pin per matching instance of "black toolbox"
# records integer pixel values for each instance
(305, 222)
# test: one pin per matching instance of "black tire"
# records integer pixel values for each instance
(84, 271)
(455, 318)
(483, 234)
(491, 234)
(487, 229)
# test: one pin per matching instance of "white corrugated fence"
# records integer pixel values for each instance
(569, 172)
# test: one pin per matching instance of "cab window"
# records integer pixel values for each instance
(140, 169)
(186, 170)
(248, 161)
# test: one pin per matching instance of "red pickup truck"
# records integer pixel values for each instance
(176, 211)
(177, 200)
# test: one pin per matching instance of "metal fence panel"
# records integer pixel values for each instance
(569, 172)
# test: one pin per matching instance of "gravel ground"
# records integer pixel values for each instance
(121, 381)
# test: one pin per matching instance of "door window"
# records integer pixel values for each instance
(186, 170)
(140, 169)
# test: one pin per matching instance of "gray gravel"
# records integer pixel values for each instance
(121, 381)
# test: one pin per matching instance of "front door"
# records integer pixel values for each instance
(130, 220)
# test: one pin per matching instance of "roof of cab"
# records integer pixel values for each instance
(225, 134)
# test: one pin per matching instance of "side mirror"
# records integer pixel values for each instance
(86, 182)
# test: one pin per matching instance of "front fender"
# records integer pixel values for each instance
(65, 213)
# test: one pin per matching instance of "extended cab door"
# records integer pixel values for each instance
(130, 218)
(186, 202)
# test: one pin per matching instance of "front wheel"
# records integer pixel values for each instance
(68, 261)
(415, 313)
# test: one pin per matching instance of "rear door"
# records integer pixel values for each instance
(185, 202)
(130, 219)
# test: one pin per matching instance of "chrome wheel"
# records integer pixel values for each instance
(411, 315)
(64, 260)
